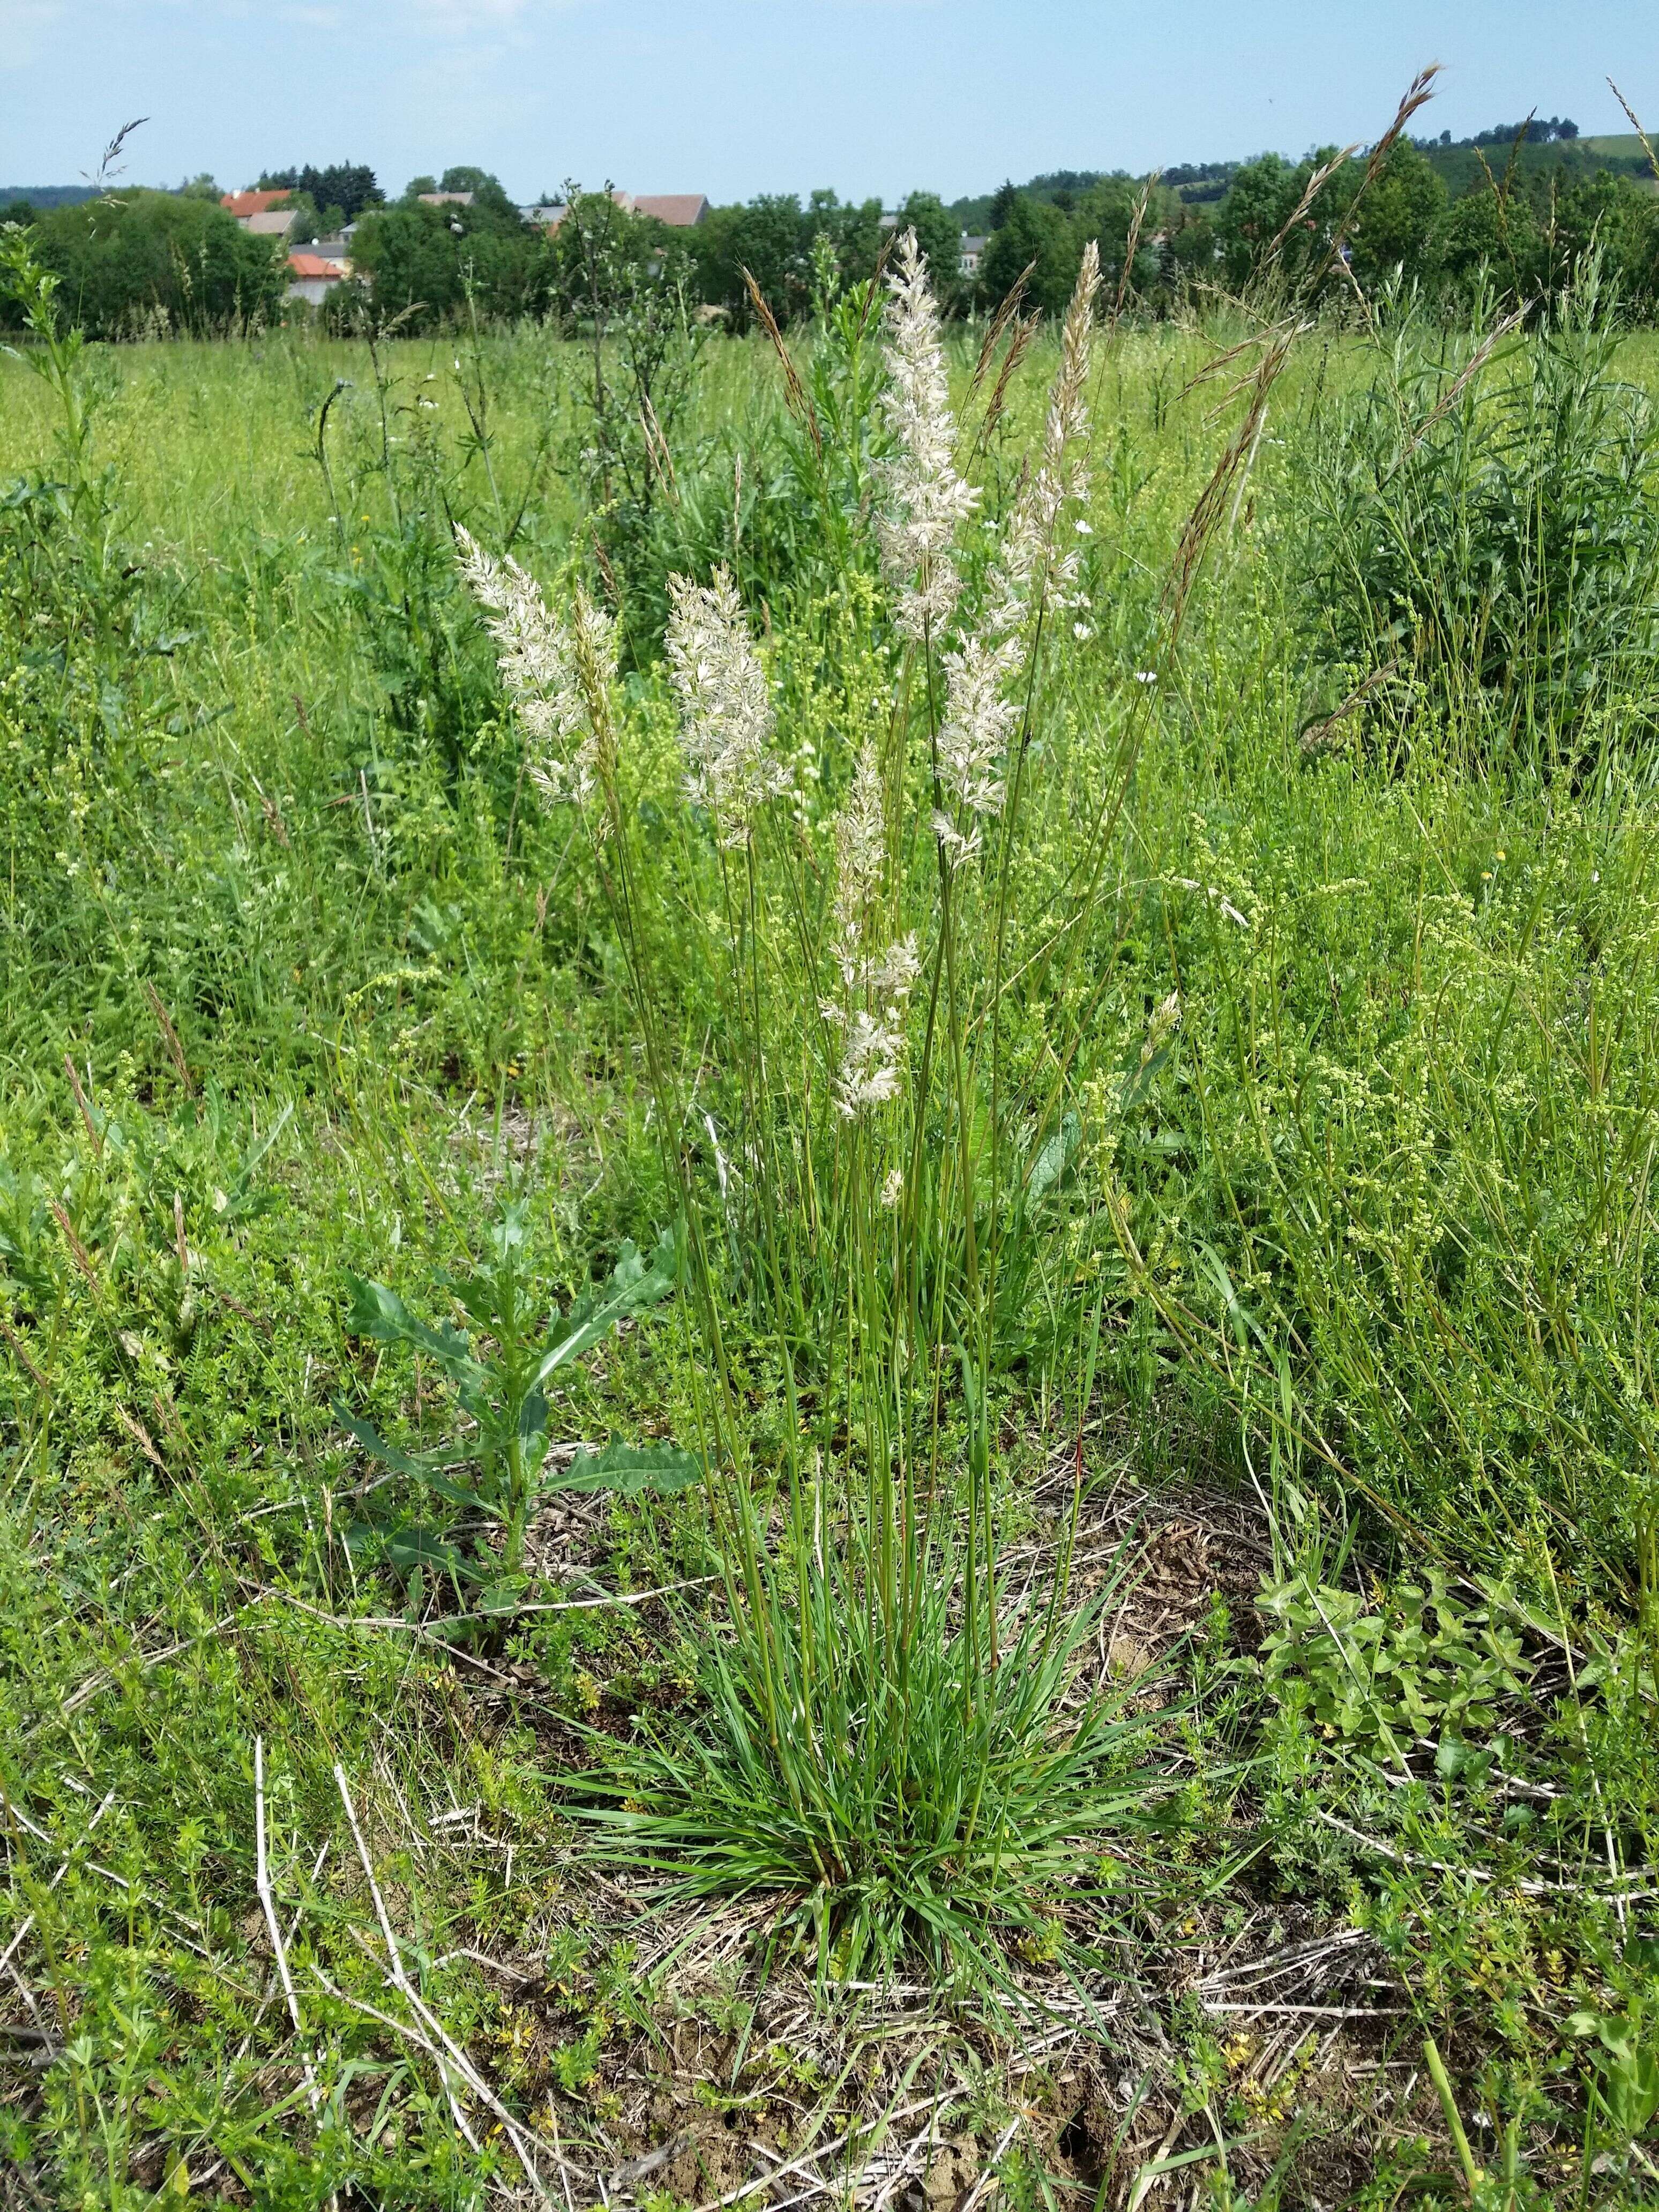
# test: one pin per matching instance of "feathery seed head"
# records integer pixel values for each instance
(978, 717)
(860, 855)
(877, 982)
(1031, 567)
(554, 677)
(725, 710)
(927, 500)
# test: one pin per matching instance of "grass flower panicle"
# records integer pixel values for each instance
(979, 716)
(727, 720)
(860, 856)
(1032, 568)
(555, 678)
(877, 982)
(926, 498)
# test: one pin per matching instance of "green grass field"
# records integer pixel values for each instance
(1297, 1071)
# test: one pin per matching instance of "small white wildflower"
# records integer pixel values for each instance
(892, 1188)
(1082, 632)
(726, 712)
(1084, 529)
(927, 500)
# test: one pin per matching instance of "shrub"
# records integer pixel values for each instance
(1483, 519)
(158, 258)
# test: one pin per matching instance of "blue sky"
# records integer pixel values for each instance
(733, 97)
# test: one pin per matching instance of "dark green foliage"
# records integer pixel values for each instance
(1034, 231)
(769, 238)
(155, 262)
(1490, 527)
(423, 264)
(348, 187)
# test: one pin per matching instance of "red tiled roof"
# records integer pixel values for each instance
(680, 210)
(241, 203)
(313, 264)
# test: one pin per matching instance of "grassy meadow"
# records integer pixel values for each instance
(1082, 1618)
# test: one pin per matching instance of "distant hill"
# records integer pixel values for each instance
(1466, 166)
(46, 195)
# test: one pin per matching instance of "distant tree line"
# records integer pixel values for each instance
(1534, 131)
(339, 193)
(155, 264)
(143, 261)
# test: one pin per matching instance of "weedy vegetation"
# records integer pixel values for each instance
(826, 1243)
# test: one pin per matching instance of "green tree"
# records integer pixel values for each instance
(1189, 248)
(489, 194)
(412, 261)
(853, 228)
(419, 262)
(939, 237)
(1491, 234)
(1002, 203)
(119, 261)
(1260, 201)
(767, 238)
(1034, 231)
(1394, 225)
(346, 186)
(1106, 213)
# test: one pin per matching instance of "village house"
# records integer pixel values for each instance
(678, 210)
(312, 277)
(260, 212)
(971, 254)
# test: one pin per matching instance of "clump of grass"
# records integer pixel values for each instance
(1479, 521)
(882, 1729)
(936, 1811)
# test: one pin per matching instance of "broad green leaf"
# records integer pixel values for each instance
(380, 1314)
(1056, 1156)
(424, 1467)
(1143, 1075)
(633, 1284)
(410, 1546)
(628, 1470)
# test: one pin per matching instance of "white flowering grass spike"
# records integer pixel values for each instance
(877, 982)
(978, 717)
(860, 852)
(541, 669)
(727, 720)
(1032, 568)
(926, 501)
